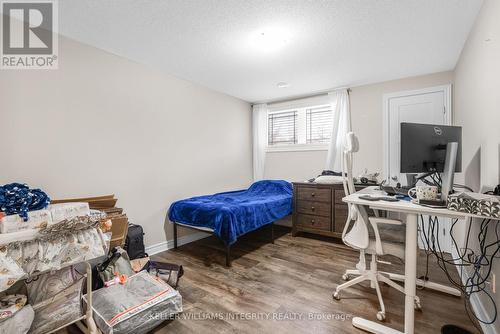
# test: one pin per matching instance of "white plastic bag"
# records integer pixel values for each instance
(136, 307)
(20, 323)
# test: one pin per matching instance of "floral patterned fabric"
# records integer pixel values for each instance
(478, 204)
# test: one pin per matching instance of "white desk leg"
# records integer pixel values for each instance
(410, 271)
(410, 285)
(425, 284)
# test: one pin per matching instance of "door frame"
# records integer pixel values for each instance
(447, 91)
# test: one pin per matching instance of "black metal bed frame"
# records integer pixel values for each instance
(228, 247)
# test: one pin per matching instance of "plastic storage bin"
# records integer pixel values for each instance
(137, 306)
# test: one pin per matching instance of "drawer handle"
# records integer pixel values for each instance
(312, 221)
(313, 194)
(313, 208)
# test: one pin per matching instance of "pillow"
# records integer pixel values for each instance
(329, 179)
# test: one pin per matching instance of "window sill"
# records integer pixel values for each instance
(297, 148)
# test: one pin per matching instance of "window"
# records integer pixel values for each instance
(302, 128)
(282, 128)
(319, 125)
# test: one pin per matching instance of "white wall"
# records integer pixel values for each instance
(366, 110)
(477, 98)
(102, 124)
(477, 110)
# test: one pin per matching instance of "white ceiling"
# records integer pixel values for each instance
(328, 43)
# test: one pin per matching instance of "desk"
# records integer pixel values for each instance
(411, 211)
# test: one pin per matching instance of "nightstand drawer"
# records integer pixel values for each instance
(314, 208)
(339, 194)
(314, 194)
(314, 222)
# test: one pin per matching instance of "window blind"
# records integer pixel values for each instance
(319, 125)
(282, 128)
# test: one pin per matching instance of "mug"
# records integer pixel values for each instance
(424, 192)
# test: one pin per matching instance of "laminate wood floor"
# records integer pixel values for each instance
(286, 287)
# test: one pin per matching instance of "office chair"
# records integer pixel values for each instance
(386, 236)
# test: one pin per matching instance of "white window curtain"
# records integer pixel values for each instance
(259, 130)
(339, 101)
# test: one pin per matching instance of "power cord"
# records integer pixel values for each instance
(479, 263)
(495, 192)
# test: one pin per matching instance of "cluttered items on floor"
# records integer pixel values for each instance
(136, 306)
(50, 255)
(106, 204)
(116, 266)
(130, 297)
(38, 284)
(168, 272)
(134, 242)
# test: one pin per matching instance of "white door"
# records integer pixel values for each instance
(427, 106)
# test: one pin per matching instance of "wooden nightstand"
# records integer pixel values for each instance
(318, 208)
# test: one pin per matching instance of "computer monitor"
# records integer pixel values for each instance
(432, 148)
(423, 147)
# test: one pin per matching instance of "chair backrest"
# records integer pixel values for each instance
(355, 232)
(351, 146)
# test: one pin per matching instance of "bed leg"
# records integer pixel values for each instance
(228, 256)
(175, 235)
(272, 233)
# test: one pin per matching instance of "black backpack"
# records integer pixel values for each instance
(134, 243)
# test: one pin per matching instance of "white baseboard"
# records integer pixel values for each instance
(475, 301)
(169, 244)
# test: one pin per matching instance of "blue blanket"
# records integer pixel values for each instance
(231, 214)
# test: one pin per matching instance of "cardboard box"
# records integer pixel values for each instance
(119, 231)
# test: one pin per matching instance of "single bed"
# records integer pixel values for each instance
(229, 215)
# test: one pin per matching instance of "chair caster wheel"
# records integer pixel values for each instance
(346, 277)
(381, 316)
(336, 295)
(417, 304)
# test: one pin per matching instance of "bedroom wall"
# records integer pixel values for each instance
(101, 124)
(366, 110)
(477, 110)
